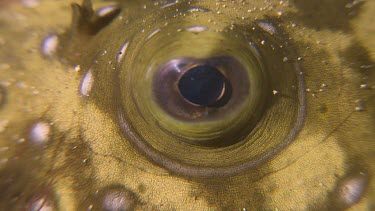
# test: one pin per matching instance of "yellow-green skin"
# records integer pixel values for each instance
(87, 152)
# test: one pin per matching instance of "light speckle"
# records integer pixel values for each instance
(87, 82)
(20, 140)
(40, 132)
(84, 161)
(275, 92)
(77, 68)
(49, 45)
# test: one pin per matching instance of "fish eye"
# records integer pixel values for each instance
(187, 105)
(202, 85)
(248, 80)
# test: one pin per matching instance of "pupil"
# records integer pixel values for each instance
(202, 85)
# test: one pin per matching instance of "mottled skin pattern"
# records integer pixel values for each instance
(85, 159)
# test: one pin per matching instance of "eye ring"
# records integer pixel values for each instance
(170, 152)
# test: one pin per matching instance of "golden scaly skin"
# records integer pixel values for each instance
(86, 154)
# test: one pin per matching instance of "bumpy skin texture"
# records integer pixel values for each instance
(85, 161)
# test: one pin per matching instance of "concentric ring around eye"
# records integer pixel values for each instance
(236, 125)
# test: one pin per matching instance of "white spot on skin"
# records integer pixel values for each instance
(122, 52)
(268, 27)
(49, 45)
(353, 3)
(351, 189)
(21, 85)
(4, 160)
(196, 29)
(106, 10)
(87, 82)
(364, 86)
(153, 33)
(3, 124)
(40, 132)
(366, 66)
(255, 49)
(359, 106)
(30, 3)
(117, 200)
(197, 9)
(20, 140)
(41, 205)
(168, 4)
(35, 92)
(3, 149)
(2, 41)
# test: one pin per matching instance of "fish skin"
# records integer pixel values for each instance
(86, 152)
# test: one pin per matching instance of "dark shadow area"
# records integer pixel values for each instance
(357, 57)
(327, 14)
(3, 96)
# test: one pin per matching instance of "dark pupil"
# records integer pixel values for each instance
(202, 85)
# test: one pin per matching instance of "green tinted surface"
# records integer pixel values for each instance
(80, 128)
